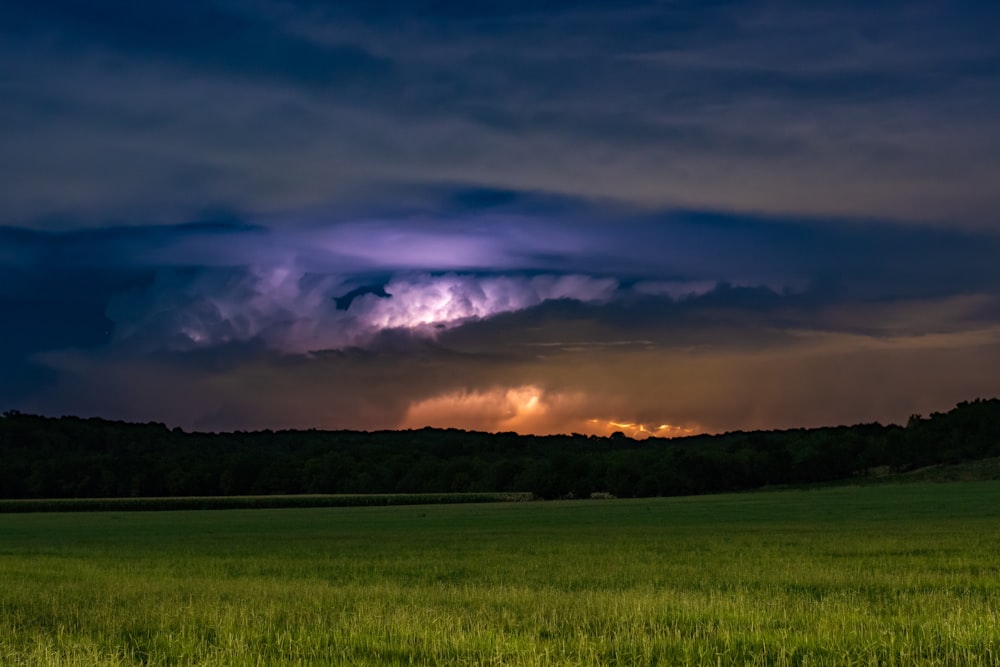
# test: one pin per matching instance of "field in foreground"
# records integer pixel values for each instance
(882, 575)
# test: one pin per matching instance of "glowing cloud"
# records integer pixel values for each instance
(441, 300)
(525, 409)
(294, 311)
(640, 431)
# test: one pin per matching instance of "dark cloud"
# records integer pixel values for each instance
(250, 327)
(206, 36)
(46, 305)
(273, 107)
(695, 214)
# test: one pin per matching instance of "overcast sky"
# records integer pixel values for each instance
(665, 218)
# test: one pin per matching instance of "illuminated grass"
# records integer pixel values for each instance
(904, 575)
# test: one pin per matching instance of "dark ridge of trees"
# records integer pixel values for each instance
(70, 457)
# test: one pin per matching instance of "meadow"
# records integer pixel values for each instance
(877, 575)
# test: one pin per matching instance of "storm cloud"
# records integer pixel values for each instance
(692, 323)
(576, 216)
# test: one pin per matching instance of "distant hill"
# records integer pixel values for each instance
(70, 457)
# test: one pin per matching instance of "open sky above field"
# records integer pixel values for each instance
(654, 217)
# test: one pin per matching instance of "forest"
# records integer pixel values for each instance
(71, 457)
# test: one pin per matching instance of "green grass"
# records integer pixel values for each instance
(880, 575)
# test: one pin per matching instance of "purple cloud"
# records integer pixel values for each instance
(295, 312)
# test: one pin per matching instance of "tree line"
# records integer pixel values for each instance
(71, 457)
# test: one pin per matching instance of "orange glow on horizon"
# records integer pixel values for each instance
(518, 409)
(527, 409)
(641, 431)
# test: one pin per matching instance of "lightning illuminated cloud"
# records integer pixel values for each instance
(546, 217)
(296, 312)
(657, 325)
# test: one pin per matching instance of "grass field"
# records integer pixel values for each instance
(879, 575)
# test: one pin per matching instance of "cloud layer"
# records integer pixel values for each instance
(295, 312)
(692, 323)
(567, 216)
(276, 106)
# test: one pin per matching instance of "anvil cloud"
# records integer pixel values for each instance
(567, 217)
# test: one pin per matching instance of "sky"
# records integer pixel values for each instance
(660, 218)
